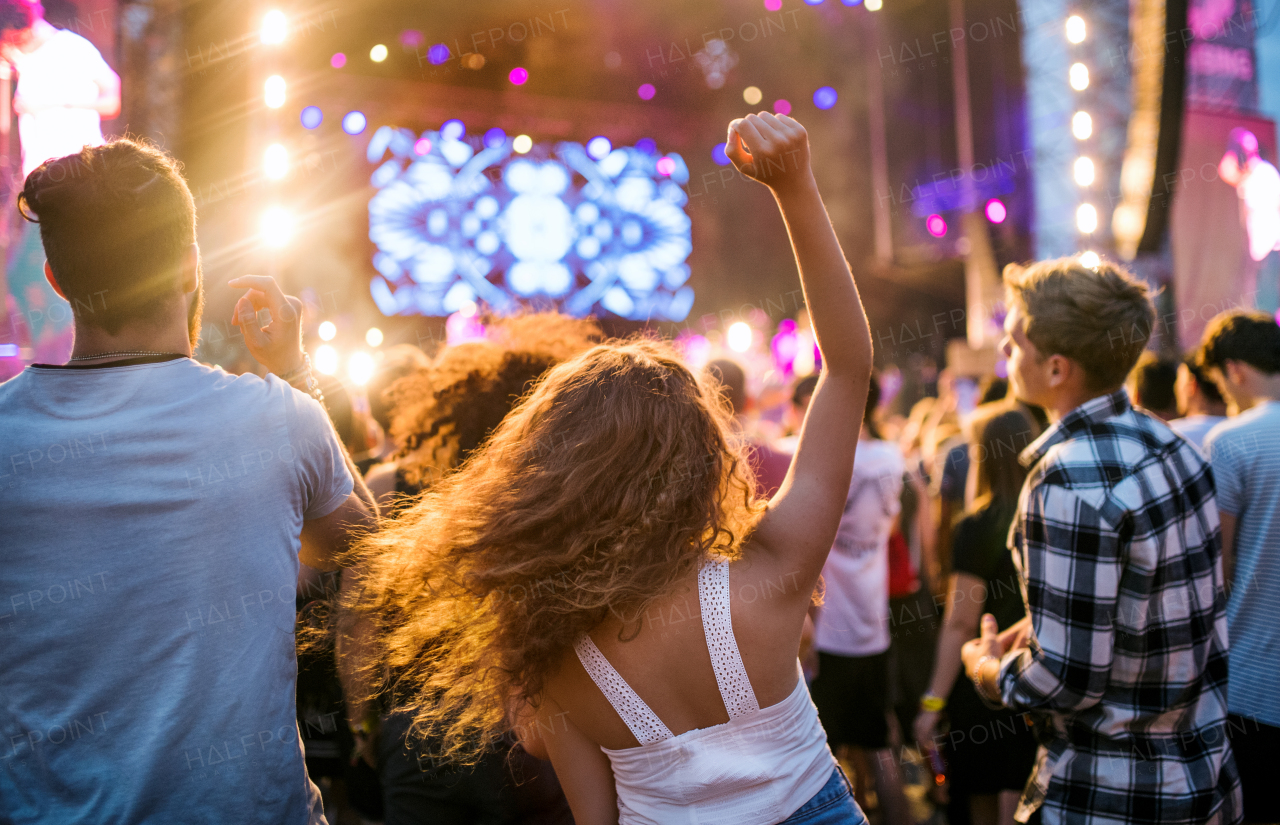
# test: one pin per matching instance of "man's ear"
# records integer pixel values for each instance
(48, 276)
(1234, 372)
(191, 269)
(1058, 370)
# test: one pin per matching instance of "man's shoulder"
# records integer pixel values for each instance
(1246, 431)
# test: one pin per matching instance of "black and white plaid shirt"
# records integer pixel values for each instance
(1118, 548)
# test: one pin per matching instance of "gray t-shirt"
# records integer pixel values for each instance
(149, 537)
(1245, 454)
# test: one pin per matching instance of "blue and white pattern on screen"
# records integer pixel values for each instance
(456, 221)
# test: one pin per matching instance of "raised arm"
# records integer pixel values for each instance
(801, 522)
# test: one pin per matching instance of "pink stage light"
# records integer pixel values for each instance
(422, 146)
(338, 60)
(936, 225)
(518, 75)
(665, 166)
(772, 5)
(646, 91)
(996, 211)
(782, 107)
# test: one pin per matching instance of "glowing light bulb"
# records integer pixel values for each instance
(1090, 259)
(522, 144)
(373, 337)
(327, 330)
(1075, 29)
(360, 368)
(752, 95)
(739, 336)
(1084, 172)
(276, 226)
(326, 360)
(874, 5)
(378, 53)
(275, 27)
(273, 91)
(1081, 125)
(1087, 218)
(1079, 77)
(275, 161)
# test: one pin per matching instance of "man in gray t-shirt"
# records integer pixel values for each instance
(153, 514)
(1241, 352)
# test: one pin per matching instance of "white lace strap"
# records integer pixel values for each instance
(642, 721)
(726, 660)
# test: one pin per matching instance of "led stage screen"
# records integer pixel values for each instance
(459, 219)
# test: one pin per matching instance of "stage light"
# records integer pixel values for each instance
(936, 225)
(646, 91)
(276, 226)
(275, 161)
(373, 337)
(327, 330)
(772, 5)
(1081, 125)
(453, 129)
(338, 60)
(996, 210)
(874, 5)
(852, 2)
(494, 138)
(275, 26)
(665, 166)
(1087, 218)
(1083, 171)
(326, 360)
(437, 54)
(312, 117)
(646, 145)
(612, 60)
(739, 337)
(422, 146)
(782, 106)
(522, 144)
(718, 154)
(378, 53)
(473, 61)
(1079, 77)
(360, 368)
(518, 76)
(1090, 259)
(825, 97)
(353, 123)
(813, 2)
(412, 38)
(1075, 29)
(273, 91)
(598, 147)
(752, 95)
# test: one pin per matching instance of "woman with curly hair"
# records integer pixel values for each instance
(599, 572)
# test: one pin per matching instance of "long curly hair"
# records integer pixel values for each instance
(605, 486)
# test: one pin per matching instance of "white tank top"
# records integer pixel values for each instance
(756, 769)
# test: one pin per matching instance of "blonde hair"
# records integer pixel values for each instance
(1100, 317)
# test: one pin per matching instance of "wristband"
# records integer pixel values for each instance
(931, 703)
(978, 683)
(293, 374)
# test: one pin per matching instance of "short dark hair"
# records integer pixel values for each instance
(803, 390)
(1251, 337)
(1153, 380)
(115, 221)
(733, 382)
(1207, 388)
(16, 15)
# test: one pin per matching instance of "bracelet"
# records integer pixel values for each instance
(978, 682)
(931, 703)
(293, 374)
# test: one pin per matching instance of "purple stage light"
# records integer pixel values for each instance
(936, 225)
(718, 155)
(439, 53)
(494, 138)
(665, 166)
(825, 97)
(646, 91)
(453, 129)
(598, 147)
(782, 107)
(518, 76)
(411, 38)
(772, 5)
(646, 145)
(312, 117)
(996, 211)
(421, 146)
(338, 60)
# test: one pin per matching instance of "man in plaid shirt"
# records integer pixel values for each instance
(1122, 657)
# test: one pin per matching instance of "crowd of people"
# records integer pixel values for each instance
(579, 580)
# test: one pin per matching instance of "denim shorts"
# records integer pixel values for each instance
(833, 805)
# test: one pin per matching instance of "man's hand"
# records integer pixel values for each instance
(771, 149)
(1015, 636)
(278, 345)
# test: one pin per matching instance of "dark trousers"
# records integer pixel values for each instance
(1257, 751)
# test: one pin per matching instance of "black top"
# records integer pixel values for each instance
(979, 548)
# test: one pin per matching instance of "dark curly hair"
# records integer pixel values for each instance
(16, 15)
(1251, 337)
(444, 412)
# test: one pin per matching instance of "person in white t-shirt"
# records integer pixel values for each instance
(1200, 403)
(851, 627)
